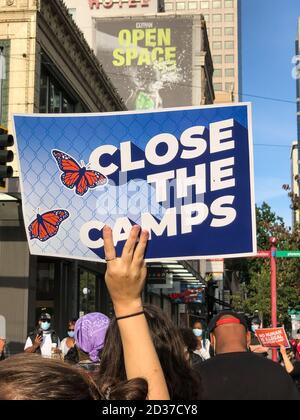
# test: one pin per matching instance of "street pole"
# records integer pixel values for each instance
(273, 242)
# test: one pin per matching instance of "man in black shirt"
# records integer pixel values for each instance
(235, 373)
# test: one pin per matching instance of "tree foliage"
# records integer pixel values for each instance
(254, 293)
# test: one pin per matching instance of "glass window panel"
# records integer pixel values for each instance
(169, 6)
(218, 73)
(207, 18)
(218, 87)
(229, 72)
(229, 87)
(193, 5)
(54, 99)
(45, 281)
(217, 31)
(228, 3)
(180, 6)
(217, 18)
(228, 17)
(217, 45)
(217, 59)
(87, 292)
(217, 4)
(229, 45)
(228, 31)
(204, 5)
(229, 59)
(44, 83)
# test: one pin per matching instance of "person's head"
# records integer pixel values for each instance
(90, 332)
(45, 321)
(30, 377)
(189, 339)
(182, 382)
(71, 328)
(198, 329)
(255, 325)
(229, 333)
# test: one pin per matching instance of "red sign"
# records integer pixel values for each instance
(273, 337)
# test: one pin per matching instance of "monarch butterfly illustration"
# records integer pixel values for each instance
(46, 226)
(77, 176)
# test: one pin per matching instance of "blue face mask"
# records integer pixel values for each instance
(197, 332)
(71, 334)
(45, 326)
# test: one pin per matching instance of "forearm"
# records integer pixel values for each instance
(31, 349)
(287, 363)
(141, 360)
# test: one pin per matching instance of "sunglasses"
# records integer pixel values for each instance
(70, 330)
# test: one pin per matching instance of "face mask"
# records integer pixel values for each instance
(71, 334)
(198, 332)
(254, 328)
(45, 326)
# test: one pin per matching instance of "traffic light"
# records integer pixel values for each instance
(6, 156)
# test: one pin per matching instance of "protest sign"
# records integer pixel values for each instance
(273, 337)
(185, 175)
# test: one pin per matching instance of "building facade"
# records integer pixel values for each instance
(49, 68)
(222, 20)
(187, 83)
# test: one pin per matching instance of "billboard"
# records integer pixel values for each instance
(149, 60)
(185, 175)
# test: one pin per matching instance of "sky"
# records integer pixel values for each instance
(269, 30)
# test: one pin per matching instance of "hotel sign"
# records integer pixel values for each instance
(109, 4)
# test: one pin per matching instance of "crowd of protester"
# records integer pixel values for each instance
(140, 354)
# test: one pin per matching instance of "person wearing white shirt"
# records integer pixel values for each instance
(44, 340)
(69, 342)
(203, 348)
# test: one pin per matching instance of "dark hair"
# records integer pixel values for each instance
(72, 321)
(189, 339)
(30, 377)
(183, 383)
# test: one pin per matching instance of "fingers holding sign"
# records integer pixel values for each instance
(125, 276)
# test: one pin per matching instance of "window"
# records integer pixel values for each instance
(169, 6)
(217, 45)
(180, 6)
(228, 4)
(87, 292)
(53, 98)
(218, 87)
(72, 12)
(193, 5)
(207, 18)
(229, 87)
(228, 17)
(217, 4)
(229, 72)
(229, 59)
(217, 59)
(217, 32)
(218, 73)
(228, 31)
(45, 281)
(217, 18)
(204, 5)
(229, 45)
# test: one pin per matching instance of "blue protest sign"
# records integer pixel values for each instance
(186, 175)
